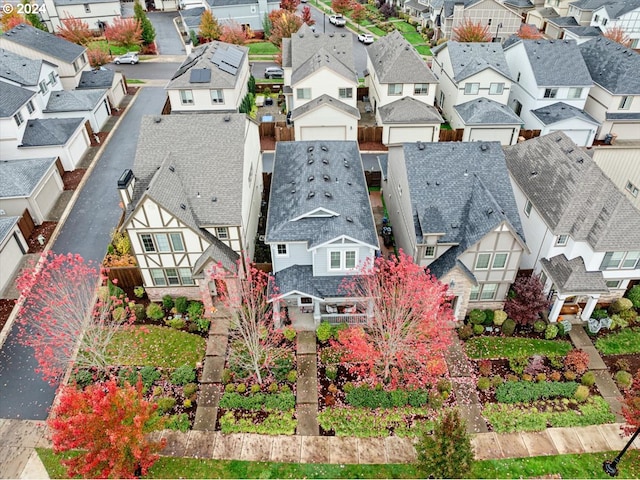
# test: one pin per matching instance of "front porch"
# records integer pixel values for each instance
(304, 316)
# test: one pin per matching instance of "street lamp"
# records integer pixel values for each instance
(324, 22)
(611, 467)
(497, 31)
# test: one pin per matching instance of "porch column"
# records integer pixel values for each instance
(555, 310)
(277, 320)
(316, 313)
(589, 307)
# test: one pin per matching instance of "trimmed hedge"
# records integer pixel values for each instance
(523, 392)
(370, 398)
(284, 401)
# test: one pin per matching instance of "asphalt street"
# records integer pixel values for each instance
(148, 70)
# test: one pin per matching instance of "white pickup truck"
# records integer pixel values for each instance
(337, 20)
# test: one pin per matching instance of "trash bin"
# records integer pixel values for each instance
(268, 101)
(608, 138)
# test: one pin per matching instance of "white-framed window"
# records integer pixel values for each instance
(625, 102)
(162, 242)
(471, 88)
(482, 261)
(281, 250)
(635, 44)
(217, 96)
(52, 78)
(43, 86)
(575, 92)
(604, 21)
(345, 93)
(631, 260)
(350, 259)
(163, 277)
(484, 291)
(186, 97)
(343, 259)
(613, 283)
(632, 189)
(334, 260)
(30, 107)
(562, 240)
(157, 275)
(87, 8)
(499, 261)
(394, 89)
(550, 92)
(18, 118)
(496, 88)
(430, 251)
(222, 233)
(185, 276)
(527, 208)
(616, 260)
(303, 94)
(596, 18)
(543, 278)
(421, 89)
(441, 99)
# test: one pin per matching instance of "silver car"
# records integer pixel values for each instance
(131, 57)
(273, 72)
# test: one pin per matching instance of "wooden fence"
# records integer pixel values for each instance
(370, 133)
(528, 134)
(279, 131)
(127, 277)
(451, 135)
(26, 224)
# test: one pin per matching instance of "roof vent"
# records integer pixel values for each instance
(349, 219)
(310, 161)
(172, 168)
(581, 160)
(569, 151)
(328, 194)
(489, 211)
(534, 174)
(326, 177)
(558, 139)
(346, 163)
(454, 225)
(349, 183)
(420, 145)
(311, 178)
(293, 191)
(310, 149)
(484, 147)
(311, 194)
(183, 206)
(214, 199)
(227, 118)
(438, 182)
(331, 35)
(197, 194)
(324, 148)
(325, 161)
(157, 119)
(343, 35)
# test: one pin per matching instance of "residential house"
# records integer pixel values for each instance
(581, 34)
(191, 18)
(96, 13)
(556, 26)
(91, 104)
(551, 9)
(33, 184)
(523, 7)
(578, 14)
(483, 119)
(583, 233)
(452, 209)
(402, 90)
(320, 229)
(546, 72)
(317, 64)
(621, 163)
(103, 77)
(248, 13)
(70, 59)
(17, 106)
(614, 100)
(13, 247)
(578, 125)
(213, 78)
(192, 207)
(623, 14)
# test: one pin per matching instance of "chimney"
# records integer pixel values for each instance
(126, 183)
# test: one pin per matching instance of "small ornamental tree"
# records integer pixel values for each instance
(529, 32)
(634, 296)
(98, 57)
(387, 9)
(107, 427)
(283, 24)
(209, 26)
(125, 32)
(306, 15)
(74, 30)
(469, 31)
(232, 32)
(341, 6)
(289, 5)
(617, 34)
(266, 25)
(12, 19)
(358, 12)
(407, 334)
(447, 452)
(528, 300)
(631, 406)
(148, 32)
(33, 18)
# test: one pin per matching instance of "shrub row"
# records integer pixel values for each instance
(516, 392)
(362, 422)
(277, 423)
(370, 398)
(284, 401)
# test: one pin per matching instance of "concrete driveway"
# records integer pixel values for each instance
(23, 394)
(167, 37)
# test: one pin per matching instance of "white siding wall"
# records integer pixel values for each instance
(104, 12)
(506, 135)
(297, 254)
(70, 154)
(582, 133)
(394, 134)
(252, 187)
(600, 101)
(629, 22)
(622, 165)
(96, 121)
(202, 100)
(325, 81)
(10, 255)
(327, 116)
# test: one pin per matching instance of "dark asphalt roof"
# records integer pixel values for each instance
(20, 177)
(44, 42)
(484, 111)
(12, 98)
(612, 66)
(408, 110)
(50, 131)
(324, 100)
(74, 100)
(300, 278)
(19, 69)
(96, 78)
(6, 225)
(560, 111)
(571, 276)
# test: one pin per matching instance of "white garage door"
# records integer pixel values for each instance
(626, 131)
(410, 134)
(502, 135)
(78, 146)
(101, 114)
(579, 137)
(323, 133)
(9, 258)
(48, 196)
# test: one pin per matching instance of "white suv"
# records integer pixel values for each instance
(365, 38)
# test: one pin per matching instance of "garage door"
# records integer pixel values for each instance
(48, 196)
(410, 134)
(9, 258)
(323, 133)
(579, 137)
(502, 135)
(101, 114)
(78, 146)
(626, 131)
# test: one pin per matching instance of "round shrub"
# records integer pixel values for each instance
(348, 387)
(177, 323)
(577, 360)
(443, 385)
(599, 314)
(181, 305)
(624, 379)
(331, 372)
(623, 364)
(292, 376)
(284, 388)
(484, 383)
(149, 375)
(227, 376)
(634, 296)
(189, 389)
(630, 316)
(83, 378)
(323, 332)
(119, 314)
(555, 376)
(183, 375)
(466, 332)
(477, 317)
(582, 393)
(551, 331)
(289, 333)
(167, 302)
(186, 403)
(478, 329)
(230, 388)
(620, 305)
(241, 388)
(195, 310)
(488, 320)
(484, 367)
(255, 388)
(272, 388)
(588, 379)
(499, 316)
(509, 327)
(165, 404)
(570, 376)
(139, 312)
(527, 377)
(617, 321)
(541, 377)
(155, 312)
(496, 380)
(539, 326)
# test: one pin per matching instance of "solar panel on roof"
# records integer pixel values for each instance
(228, 68)
(200, 75)
(228, 60)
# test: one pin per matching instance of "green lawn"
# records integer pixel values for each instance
(414, 38)
(423, 49)
(508, 347)
(445, 126)
(377, 31)
(404, 27)
(585, 465)
(263, 48)
(115, 49)
(158, 346)
(625, 341)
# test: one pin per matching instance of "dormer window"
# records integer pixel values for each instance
(281, 250)
(430, 251)
(562, 240)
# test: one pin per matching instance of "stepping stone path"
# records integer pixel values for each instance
(307, 384)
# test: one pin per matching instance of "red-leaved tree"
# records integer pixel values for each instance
(471, 32)
(529, 32)
(290, 5)
(125, 32)
(341, 6)
(306, 15)
(404, 341)
(60, 316)
(631, 406)
(617, 34)
(97, 57)
(232, 32)
(107, 427)
(12, 19)
(283, 24)
(358, 12)
(527, 300)
(74, 30)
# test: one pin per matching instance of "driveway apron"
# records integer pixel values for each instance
(167, 38)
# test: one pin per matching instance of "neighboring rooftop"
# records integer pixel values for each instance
(21, 177)
(19, 69)
(323, 100)
(6, 224)
(44, 132)
(572, 194)
(519, 3)
(557, 112)
(612, 66)
(409, 110)
(589, 4)
(319, 193)
(62, 3)
(420, 7)
(617, 9)
(586, 31)
(192, 17)
(564, 22)
(43, 42)
(483, 111)
(300, 278)
(233, 3)
(12, 98)
(467, 59)
(97, 78)
(74, 100)
(570, 276)
(395, 60)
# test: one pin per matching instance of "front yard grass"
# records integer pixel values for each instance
(423, 49)
(377, 31)
(624, 342)
(115, 50)
(404, 27)
(414, 38)
(263, 48)
(510, 347)
(159, 346)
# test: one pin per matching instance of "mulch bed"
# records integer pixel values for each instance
(372, 146)
(6, 305)
(72, 179)
(46, 229)
(130, 91)
(632, 359)
(267, 143)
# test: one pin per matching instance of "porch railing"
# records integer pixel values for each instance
(350, 318)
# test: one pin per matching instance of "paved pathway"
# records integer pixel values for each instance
(307, 384)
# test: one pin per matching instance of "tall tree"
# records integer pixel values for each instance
(358, 12)
(107, 427)
(60, 315)
(232, 32)
(283, 24)
(33, 18)
(341, 6)
(209, 26)
(529, 32)
(306, 15)
(290, 5)
(617, 34)
(527, 300)
(407, 335)
(12, 19)
(148, 32)
(471, 32)
(74, 30)
(125, 32)
(631, 405)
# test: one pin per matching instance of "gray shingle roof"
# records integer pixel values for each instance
(395, 60)
(97, 78)
(587, 31)
(560, 111)
(20, 177)
(572, 194)
(50, 131)
(62, 3)
(617, 9)
(12, 98)
(324, 100)
(409, 110)
(44, 42)
(622, 116)
(589, 4)
(461, 189)
(74, 100)
(564, 21)
(6, 224)
(286, 52)
(449, 4)
(519, 3)
(556, 63)
(612, 66)
(548, 12)
(300, 278)
(571, 276)
(467, 59)
(416, 5)
(313, 175)
(200, 58)
(19, 69)
(483, 111)
(192, 17)
(216, 252)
